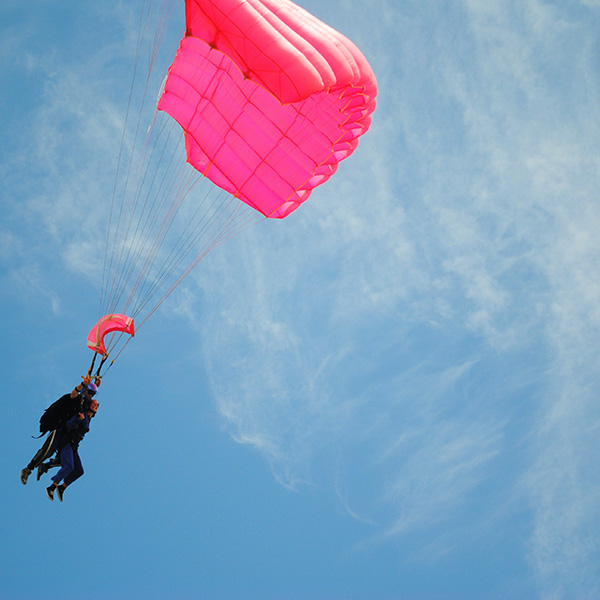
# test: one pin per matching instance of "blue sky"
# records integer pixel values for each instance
(393, 393)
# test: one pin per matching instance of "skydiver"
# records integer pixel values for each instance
(71, 467)
(71, 404)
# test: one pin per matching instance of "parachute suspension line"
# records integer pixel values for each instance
(226, 233)
(141, 34)
(119, 159)
(166, 10)
(135, 244)
(229, 217)
(132, 245)
(143, 280)
(121, 235)
(93, 362)
(144, 254)
(151, 257)
(112, 362)
(97, 374)
(144, 244)
(200, 225)
(91, 369)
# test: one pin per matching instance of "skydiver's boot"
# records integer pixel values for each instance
(60, 490)
(43, 468)
(50, 491)
(25, 473)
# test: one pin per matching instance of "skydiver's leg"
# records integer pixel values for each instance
(67, 464)
(52, 462)
(49, 464)
(46, 450)
(77, 471)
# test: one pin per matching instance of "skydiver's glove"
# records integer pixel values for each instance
(97, 381)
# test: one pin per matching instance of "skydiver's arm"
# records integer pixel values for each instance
(77, 390)
(73, 423)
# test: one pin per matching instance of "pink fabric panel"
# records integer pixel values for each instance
(106, 325)
(269, 97)
(254, 38)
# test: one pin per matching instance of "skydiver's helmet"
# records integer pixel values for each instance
(90, 390)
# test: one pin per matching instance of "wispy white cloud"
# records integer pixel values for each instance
(549, 202)
(60, 169)
(456, 224)
(31, 286)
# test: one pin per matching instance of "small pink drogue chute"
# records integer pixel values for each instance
(269, 97)
(108, 324)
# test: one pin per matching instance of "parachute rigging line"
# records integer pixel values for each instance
(154, 231)
(269, 100)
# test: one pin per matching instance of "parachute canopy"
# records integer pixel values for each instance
(108, 324)
(270, 99)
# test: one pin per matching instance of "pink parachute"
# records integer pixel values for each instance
(108, 324)
(270, 99)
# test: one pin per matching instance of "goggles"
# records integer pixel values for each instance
(90, 390)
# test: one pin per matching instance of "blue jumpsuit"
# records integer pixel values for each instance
(71, 467)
